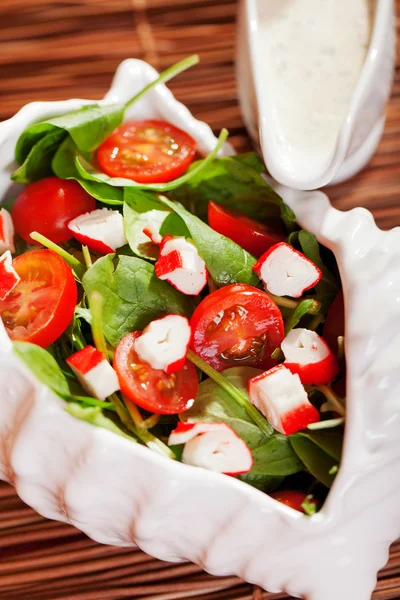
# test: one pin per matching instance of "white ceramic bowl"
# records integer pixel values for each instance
(363, 126)
(121, 493)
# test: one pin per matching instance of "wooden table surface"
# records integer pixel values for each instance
(70, 48)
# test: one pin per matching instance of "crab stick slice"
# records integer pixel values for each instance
(165, 342)
(286, 271)
(9, 277)
(94, 372)
(280, 396)
(101, 230)
(213, 446)
(6, 232)
(180, 264)
(155, 219)
(308, 355)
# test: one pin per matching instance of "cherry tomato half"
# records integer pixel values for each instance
(254, 237)
(146, 151)
(47, 206)
(42, 305)
(153, 389)
(237, 325)
(293, 499)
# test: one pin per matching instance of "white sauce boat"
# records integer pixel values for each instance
(361, 128)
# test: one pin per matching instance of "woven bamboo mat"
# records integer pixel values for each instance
(65, 48)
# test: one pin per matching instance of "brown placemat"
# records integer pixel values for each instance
(65, 48)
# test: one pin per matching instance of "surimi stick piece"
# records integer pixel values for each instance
(94, 372)
(180, 264)
(9, 277)
(213, 446)
(286, 271)
(281, 398)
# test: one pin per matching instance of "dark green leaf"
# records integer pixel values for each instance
(141, 208)
(226, 261)
(133, 295)
(95, 416)
(37, 164)
(273, 461)
(301, 309)
(63, 165)
(232, 182)
(316, 452)
(43, 365)
(215, 405)
(174, 225)
(235, 182)
(264, 483)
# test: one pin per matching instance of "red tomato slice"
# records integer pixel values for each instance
(153, 389)
(292, 498)
(42, 305)
(147, 151)
(47, 206)
(237, 325)
(254, 237)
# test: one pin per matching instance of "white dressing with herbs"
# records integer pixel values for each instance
(312, 53)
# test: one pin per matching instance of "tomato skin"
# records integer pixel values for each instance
(254, 237)
(143, 385)
(333, 328)
(150, 151)
(46, 282)
(47, 206)
(237, 325)
(334, 322)
(292, 498)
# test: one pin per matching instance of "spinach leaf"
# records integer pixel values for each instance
(276, 457)
(326, 290)
(263, 482)
(226, 261)
(235, 183)
(133, 295)
(139, 209)
(319, 453)
(63, 165)
(43, 365)
(273, 461)
(95, 416)
(88, 127)
(301, 309)
(174, 225)
(215, 405)
(38, 162)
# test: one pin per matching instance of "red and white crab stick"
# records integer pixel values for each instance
(164, 343)
(280, 396)
(180, 264)
(6, 232)
(101, 230)
(308, 355)
(9, 277)
(213, 446)
(94, 372)
(286, 271)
